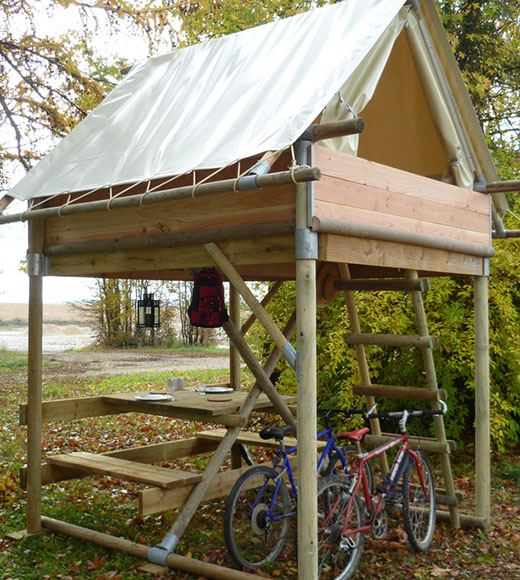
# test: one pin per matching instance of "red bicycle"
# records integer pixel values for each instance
(347, 510)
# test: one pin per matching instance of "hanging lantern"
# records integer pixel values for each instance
(148, 312)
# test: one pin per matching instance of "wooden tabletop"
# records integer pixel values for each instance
(189, 404)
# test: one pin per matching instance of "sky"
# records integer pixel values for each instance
(14, 284)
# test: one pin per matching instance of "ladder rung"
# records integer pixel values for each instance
(392, 340)
(427, 443)
(393, 284)
(407, 393)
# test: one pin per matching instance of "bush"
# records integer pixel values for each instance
(449, 308)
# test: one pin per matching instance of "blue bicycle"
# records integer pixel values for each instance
(262, 503)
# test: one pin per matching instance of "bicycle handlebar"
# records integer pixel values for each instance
(403, 415)
(322, 412)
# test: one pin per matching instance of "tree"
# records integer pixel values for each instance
(485, 38)
(49, 83)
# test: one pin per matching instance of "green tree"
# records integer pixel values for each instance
(485, 39)
(49, 83)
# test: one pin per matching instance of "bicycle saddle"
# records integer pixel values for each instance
(356, 435)
(277, 433)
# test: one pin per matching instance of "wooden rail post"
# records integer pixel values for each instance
(431, 381)
(234, 356)
(34, 383)
(482, 436)
(306, 250)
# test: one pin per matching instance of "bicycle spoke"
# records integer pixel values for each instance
(339, 550)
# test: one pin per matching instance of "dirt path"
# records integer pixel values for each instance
(73, 365)
(118, 362)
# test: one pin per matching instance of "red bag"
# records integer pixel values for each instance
(208, 308)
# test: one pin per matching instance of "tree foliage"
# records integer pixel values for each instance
(485, 38)
(49, 82)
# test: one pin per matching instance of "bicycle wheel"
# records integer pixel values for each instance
(338, 553)
(419, 503)
(255, 534)
(335, 465)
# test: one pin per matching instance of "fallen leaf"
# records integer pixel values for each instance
(96, 563)
(439, 572)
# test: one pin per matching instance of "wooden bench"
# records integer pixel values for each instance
(92, 463)
(249, 438)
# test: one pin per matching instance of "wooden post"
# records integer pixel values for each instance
(482, 436)
(34, 386)
(191, 565)
(431, 381)
(306, 383)
(234, 356)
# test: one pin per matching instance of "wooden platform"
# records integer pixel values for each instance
(92, 463)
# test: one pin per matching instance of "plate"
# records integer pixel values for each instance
(154, 397)
(217, 389)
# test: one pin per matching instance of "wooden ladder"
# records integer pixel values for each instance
(415, 286)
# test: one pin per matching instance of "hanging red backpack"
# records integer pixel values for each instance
(208, 308)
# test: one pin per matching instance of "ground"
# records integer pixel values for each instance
(109, 505)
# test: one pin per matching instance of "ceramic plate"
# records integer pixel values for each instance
(154, 397)
(217, 389)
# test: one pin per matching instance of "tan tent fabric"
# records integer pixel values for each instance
(359, 88)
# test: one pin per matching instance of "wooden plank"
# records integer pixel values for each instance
(391, 340)
(159, 452)
(69, 409)
(92, 463)
(406, 393)
(366, 217)
(278, 249)
(349, 250)
(428, 444)
(156, 499)
(380, 200)
(384, 284)
(190, 214)
(370, 173)
(251, 438)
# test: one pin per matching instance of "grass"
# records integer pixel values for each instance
(109, 505)
(12, 360)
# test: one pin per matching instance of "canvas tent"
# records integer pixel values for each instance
(165, 176)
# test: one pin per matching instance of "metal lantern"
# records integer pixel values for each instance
(148, 312)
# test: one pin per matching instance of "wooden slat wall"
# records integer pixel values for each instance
(365, 192)
(192, 214)
(273, 250)
(351, 250)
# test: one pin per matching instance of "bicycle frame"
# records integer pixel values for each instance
(286, 468)
(405, 454)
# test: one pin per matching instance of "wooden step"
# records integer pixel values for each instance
(406, 393)
(93, 463)
(251, 438)
(390, 284)
(392, 340)
(428, 444)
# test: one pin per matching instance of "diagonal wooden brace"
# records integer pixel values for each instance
(158, 555)
(258, 310)
(262, 378)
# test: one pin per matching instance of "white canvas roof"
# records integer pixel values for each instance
(208, 105)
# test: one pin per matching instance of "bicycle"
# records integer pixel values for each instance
(344, 517)
(261, 505)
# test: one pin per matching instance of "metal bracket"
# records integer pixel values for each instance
(290, 355)
(38, 265)
(159, 554)
(306, 244)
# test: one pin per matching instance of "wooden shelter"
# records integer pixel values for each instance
(311, 211)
